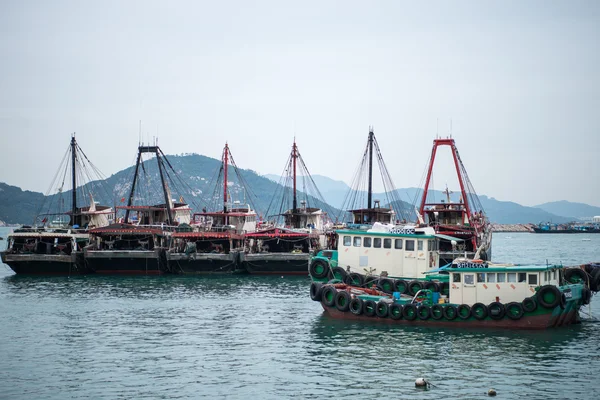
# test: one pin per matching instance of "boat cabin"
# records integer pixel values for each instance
(157, 214)
(238, 220)
(304, 218)
(481, 282)
(398, 253)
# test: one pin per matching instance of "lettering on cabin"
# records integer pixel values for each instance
(468, 264)
(403, 231)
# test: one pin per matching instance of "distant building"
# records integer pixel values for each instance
(596, 219)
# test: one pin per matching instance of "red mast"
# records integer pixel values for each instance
(446, 142)
(225, 162)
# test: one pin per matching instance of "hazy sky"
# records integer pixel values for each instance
(519, 80)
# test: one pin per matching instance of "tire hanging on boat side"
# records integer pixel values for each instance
(315, 291)
(514, 310)
(356, 306)
(328, 296)
(548, 296)
(342, 300)
(319, 269)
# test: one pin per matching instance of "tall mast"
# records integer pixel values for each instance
(164, 185)
(370, 196)
(131, 193)
(225, 162)
(73, 161)
(294, 156)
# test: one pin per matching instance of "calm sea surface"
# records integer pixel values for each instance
(262, 337)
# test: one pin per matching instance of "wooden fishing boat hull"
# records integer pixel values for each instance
(202, 263)
(275, 263)
(46, 264)
(126, 262)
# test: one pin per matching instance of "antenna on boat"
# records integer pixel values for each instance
(450, 128)
(140, 134)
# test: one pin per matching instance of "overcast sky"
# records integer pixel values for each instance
(519, 81)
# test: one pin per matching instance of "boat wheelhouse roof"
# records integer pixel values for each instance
(461, 265)
(206, 235)
(377, 210)
(302, 211)
(124, 229)
(278, 232)
(157, 207)
(39, 234)
(367, 233)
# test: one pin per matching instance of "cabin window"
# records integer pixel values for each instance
(522, 277)
(377, 243)
(469, 279)
(347, 241)
(456, 278)
(512, 277)
(480, 278)
(367, 242)
(532, 279)
(491, 278)
(546, 276)
(431, 245)
(387, 243)
(419, 245)
(554, 274)
(398, 244)
(357, 240)
(410, 245)
(501, 278)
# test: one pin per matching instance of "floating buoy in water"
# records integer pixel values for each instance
(491, 392)
(421, 382)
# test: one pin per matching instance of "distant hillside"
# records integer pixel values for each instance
(568, 209)
(18, 206)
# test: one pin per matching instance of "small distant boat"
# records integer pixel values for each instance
(585, 240)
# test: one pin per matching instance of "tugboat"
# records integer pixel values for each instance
(212, 243)
(53, 245)
(481, 294)
(286, 250)
(137, 244)
(462, 226)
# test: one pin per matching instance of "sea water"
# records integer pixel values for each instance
(263, 338)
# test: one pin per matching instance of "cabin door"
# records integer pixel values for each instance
(469, 292)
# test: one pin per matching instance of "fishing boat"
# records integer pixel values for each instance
(136, 245)
(480, 294)
(212, 242)
(464, 229)
(284, 248)
(53, 244)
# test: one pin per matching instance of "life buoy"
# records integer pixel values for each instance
(409, 312)
(328, 296)
(514, 310)
(450, 312)
(529, 304)
(315, 291)
(548, 296)
(395, 311)
(437, 311)
(464, 311)
(356, 306)
(369, 308)
(382, 309)
(400, 286)
(496, 310)
(423, 312)
(342, 301)
(479, 311)
(319, 268)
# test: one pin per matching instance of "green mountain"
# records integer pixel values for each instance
(579, 211)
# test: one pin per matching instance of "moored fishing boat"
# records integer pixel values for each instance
(53, 245)
(481, 294)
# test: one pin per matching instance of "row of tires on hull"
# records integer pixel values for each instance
(588, 275)
(319, 269)
(548, 297)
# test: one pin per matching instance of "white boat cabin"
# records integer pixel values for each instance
(239, 220)
(472, 282)
(400, 253)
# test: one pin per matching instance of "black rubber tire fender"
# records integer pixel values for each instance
(328, 296)
(431, 286)
(586, 296)
(437, 311)
(386, 285)
(496, 310)
(400, 286)
(395, 311)
(563, 301)
(514, 310)
(382, 309)
(409, 312)
(354, 279)
(548, 296)
(414, 287)
(450, 312)
(423, 312)
(369, 308)
(356, 306)
(342, 300)
(595, 280)
(319, 268)
(529, 304)
(315, 291)
(576, 275)
(479, 311)
(339, 273)
(463, 311)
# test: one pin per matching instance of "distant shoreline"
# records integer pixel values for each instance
(512, 228)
